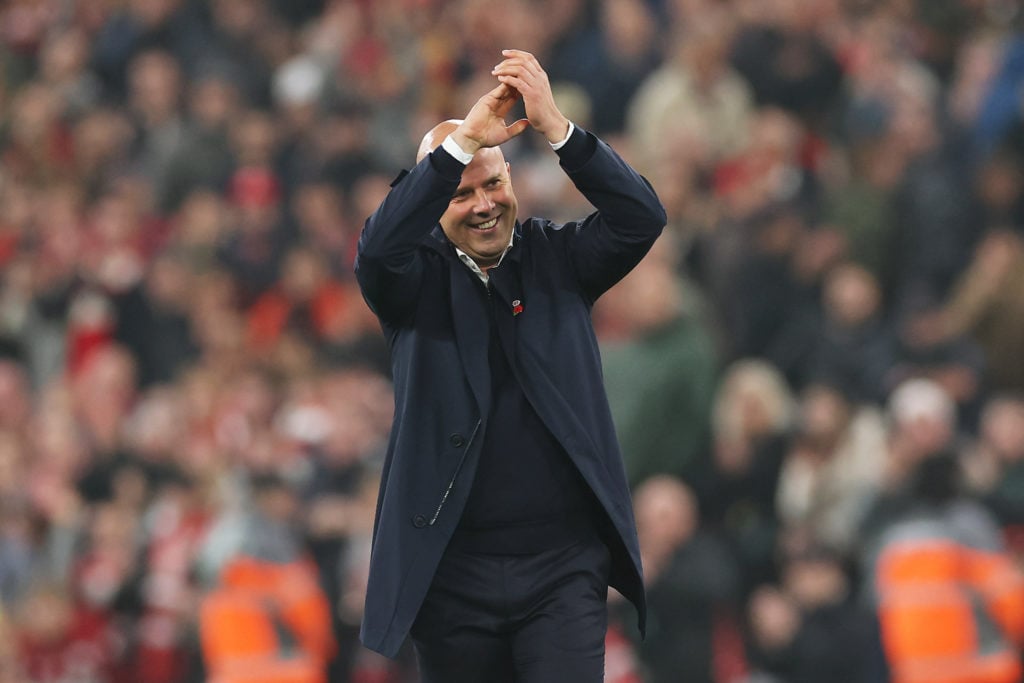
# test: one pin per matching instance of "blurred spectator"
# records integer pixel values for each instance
(923, 423)
(762, 295)
(56, 639)
(341, 486)
(306, 300)
(245, 38)
(610, 55)
(774, 621)
(753, 415)
(994, 464)
(949, 599)
(786, 62)
(694, 101)
(124, 31)
(175, 526)
(848, 345)
(203, 157)
(103, 140)
(986, 305)
(812, 629)
(660, 366)
(252, 251)
(769, 171)
(834, 467)
(152, 320)
(155, 94)
(692, 583)
(196, 230)
(267, 615)
(15, 398)
(1000, 110)
(103, 393)
(923, 348)
(63, 64)
(18, 552)
(321, 216)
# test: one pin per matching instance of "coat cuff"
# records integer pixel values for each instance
(577, 150)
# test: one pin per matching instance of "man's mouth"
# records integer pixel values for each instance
(486, 225)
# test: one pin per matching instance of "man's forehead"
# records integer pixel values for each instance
(487, 163)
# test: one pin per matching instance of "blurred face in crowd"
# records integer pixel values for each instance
(155, 81)
(1002, 427)
(824, 413)
(815, 582)
(852, 295)
(666, 513)
(482, 213)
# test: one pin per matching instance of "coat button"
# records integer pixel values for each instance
(419, 521)
(457, 440)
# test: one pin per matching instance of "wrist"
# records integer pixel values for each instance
(558, 134)
(559, 144)
(465, 143)
(458, 152)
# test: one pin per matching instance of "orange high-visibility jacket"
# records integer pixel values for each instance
(948, 612)
(266, 623)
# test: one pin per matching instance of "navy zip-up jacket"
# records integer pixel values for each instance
(436, 328)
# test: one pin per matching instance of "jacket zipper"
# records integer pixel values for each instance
(455, 474)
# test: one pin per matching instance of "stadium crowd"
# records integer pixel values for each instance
(824, 353)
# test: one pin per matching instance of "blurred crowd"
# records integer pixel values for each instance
(822, 357)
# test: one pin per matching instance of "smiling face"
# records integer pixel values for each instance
(482, 212)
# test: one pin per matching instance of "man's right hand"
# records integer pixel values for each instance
(484, 125)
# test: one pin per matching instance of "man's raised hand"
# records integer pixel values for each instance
(521, 71)
(484, 125)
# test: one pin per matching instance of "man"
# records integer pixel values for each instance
(503, 513)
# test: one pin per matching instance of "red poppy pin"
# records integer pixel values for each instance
(517, 307)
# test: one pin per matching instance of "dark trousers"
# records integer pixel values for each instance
(539, 618)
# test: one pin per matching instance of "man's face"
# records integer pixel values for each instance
(482, 213)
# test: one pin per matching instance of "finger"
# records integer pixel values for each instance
(525, 85)
(502, 92)
(501, 99)
(504, 107)
(516, 83)
(525, 58)
(516, 66)
(522, 54)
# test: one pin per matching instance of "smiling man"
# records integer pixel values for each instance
(482, 212)
(503, 513)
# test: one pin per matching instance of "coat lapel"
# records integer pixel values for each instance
(469, 319)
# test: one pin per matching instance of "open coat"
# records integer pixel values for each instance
(437, 331)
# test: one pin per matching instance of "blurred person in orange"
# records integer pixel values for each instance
(949, 597)
(267, 619)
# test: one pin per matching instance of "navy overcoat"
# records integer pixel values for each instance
(436, 329)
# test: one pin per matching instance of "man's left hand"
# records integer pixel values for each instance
(522, 71)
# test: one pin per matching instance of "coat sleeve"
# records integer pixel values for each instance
(389, 264)
(629, 218)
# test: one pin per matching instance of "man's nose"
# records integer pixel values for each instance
(482, 202)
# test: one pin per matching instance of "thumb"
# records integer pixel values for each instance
(517, 127)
